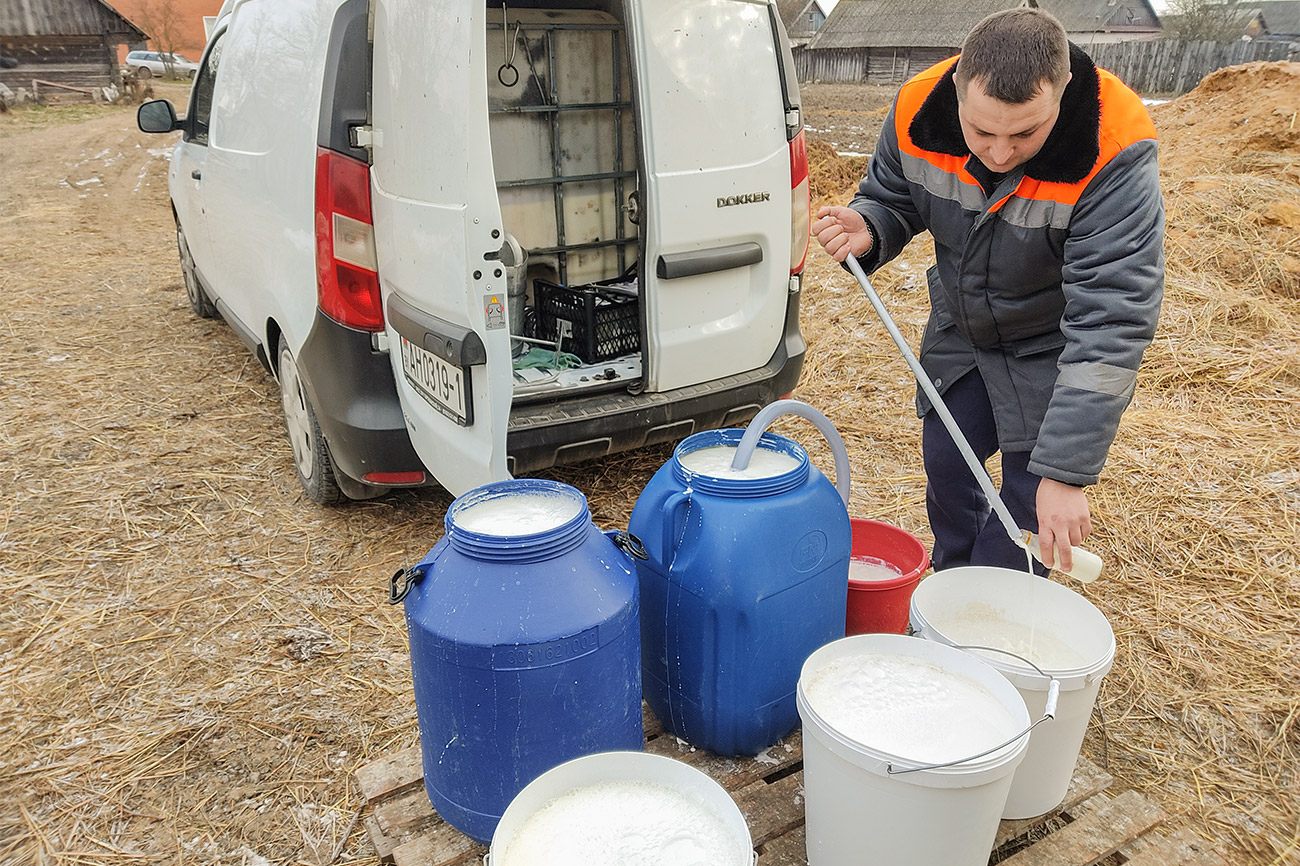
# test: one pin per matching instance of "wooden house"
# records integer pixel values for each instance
(1275, 19)
(70, 42)
(887, 41)
(802, 18)
(1097, 22)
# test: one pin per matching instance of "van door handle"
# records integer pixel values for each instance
(196, 174)
(674, 265)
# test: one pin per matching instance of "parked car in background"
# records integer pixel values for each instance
(411, 221)
(146, 64)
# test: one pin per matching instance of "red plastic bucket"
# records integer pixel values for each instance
(883, 605)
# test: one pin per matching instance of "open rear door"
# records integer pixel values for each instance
(438, 234)
(717, 222)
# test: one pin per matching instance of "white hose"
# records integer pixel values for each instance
(770, 412)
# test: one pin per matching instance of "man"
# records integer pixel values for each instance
(1035, 172)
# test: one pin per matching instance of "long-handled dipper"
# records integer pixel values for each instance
(1086, 564)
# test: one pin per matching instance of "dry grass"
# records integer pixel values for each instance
(1202, 505)
(194, 658)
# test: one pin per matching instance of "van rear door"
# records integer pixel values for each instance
(438, 236)
(716, 187)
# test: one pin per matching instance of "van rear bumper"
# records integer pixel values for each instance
(547, 435)
(352, 390)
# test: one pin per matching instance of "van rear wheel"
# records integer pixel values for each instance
(311, 459)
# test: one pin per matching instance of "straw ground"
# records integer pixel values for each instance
(194, 658)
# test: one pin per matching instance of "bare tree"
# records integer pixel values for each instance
(162, 21)
(1209, 20)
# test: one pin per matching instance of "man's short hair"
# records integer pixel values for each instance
(1011, 53)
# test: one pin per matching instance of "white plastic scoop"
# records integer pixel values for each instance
(1086, 564)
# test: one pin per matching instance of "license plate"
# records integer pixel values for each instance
(438, 382)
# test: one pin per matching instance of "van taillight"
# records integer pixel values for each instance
(800, 205)
(347, 278)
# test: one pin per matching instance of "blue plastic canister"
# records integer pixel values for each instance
(745, 578)
(525, 653)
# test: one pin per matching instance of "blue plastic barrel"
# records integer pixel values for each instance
(745, 578)
(525, 653)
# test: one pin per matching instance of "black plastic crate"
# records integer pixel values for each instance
(605, 323)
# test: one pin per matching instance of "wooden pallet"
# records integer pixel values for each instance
(1091, 824)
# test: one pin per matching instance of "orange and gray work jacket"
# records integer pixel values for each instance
(1051, 283)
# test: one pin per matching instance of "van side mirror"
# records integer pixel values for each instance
(157, 115)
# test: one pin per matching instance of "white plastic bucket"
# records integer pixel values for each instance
(941, 611)
(712, 813)
(859, 806)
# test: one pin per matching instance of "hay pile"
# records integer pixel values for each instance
(1230, 157)
(830, 173)
(1198, 513)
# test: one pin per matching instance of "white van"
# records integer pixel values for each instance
(473, 239)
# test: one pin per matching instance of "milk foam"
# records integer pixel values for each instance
(980, 624)
(624, 823)
(517, 514)
(869, 568)
(715, 460)
(908, 707)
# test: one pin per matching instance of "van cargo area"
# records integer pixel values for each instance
(564, 151)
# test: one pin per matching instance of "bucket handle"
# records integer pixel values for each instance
(1049, 712)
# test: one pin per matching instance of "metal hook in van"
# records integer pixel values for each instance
(507, 69)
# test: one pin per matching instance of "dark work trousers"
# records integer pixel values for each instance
(966, 531)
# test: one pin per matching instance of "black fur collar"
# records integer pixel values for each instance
(1072, 148)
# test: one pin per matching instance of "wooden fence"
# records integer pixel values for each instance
(1175, 66)
(1164, 66)
(871, 65)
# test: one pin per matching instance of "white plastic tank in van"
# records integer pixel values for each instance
(583, 229)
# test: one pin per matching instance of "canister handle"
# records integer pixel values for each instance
(404, 580)
(628, 543)
(668, 542)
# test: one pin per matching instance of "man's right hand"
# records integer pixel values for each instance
(840, 231)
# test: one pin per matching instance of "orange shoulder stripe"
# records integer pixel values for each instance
(1124, 121)
(911, 96)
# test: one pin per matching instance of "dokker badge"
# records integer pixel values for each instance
(747, 198)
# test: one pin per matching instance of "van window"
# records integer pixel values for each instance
(200, 113)
(278, 47)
